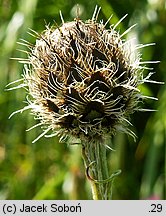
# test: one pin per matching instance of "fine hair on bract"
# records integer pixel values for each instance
(82, 79)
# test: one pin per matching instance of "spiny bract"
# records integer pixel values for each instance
(82, 80)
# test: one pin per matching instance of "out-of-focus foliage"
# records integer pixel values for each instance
(52, 170)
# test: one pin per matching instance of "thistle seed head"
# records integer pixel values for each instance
(82, 80)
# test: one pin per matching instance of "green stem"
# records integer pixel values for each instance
(94, 155)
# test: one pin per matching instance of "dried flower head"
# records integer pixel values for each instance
(82, 79)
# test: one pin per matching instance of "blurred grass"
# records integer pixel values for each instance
(52, 170)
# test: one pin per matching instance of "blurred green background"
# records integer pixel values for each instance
(52, 170)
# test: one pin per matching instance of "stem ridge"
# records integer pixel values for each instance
(97, 172)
